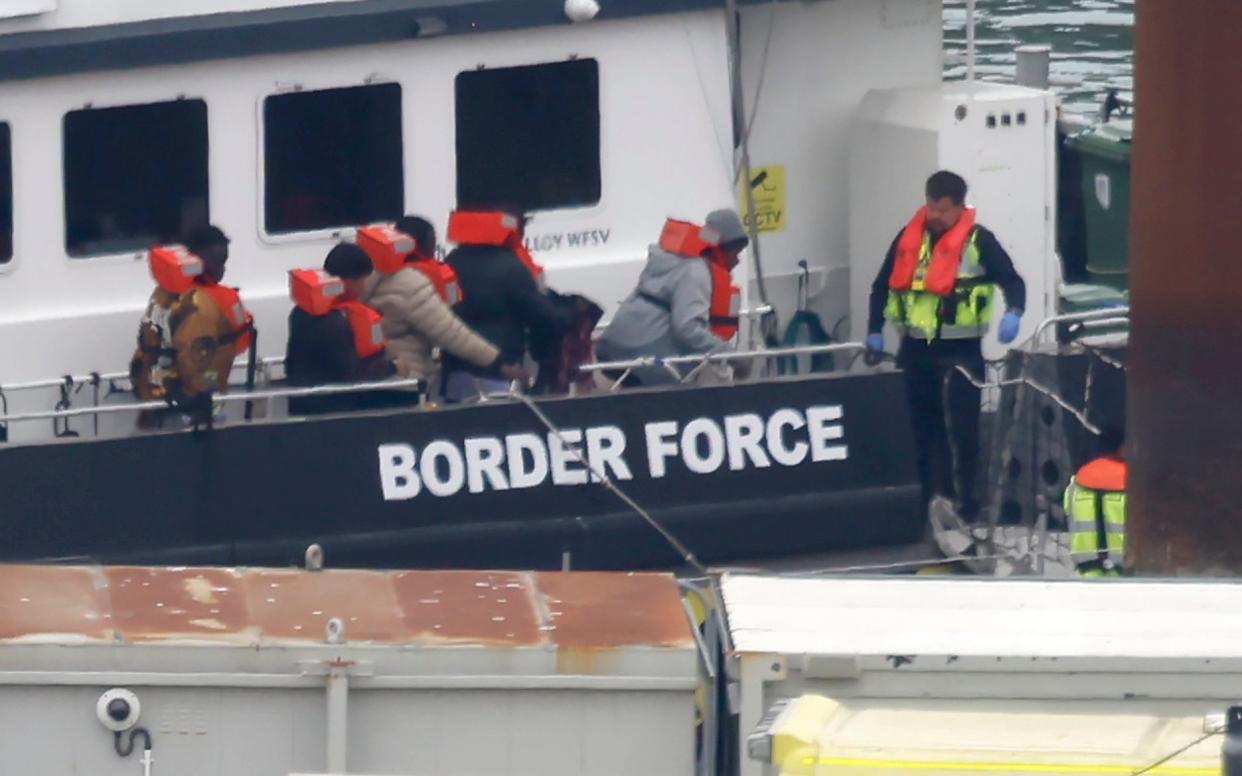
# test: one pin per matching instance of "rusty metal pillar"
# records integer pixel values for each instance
(1184, 383)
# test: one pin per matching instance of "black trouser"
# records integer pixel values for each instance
(927, 366)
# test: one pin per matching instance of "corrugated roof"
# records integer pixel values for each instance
(257, 607)
(984, 617)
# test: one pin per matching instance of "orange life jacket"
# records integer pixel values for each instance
(492, 228)
(386, 247)
(229, 302)
(367, 324)
(682, 238)
(722, 317)
(391, 250)
(441, 276)
(174, 268)
(941, 275)
(318, 293)
(314, 290)
(1106, 474)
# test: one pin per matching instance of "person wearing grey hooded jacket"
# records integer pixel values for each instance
(668, 313)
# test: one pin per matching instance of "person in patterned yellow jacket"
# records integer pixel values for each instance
(187, 341)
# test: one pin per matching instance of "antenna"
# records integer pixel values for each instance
(970, 43)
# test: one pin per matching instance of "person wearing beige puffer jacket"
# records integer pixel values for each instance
(416, 320)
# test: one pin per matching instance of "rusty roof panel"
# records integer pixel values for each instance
(599, 609)
(49, 601)
(156, 604)
(469, 606)
(565, 611)
(296, 605)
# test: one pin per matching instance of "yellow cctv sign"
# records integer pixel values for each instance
(768, 184)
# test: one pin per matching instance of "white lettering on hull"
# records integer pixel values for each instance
(787, 437)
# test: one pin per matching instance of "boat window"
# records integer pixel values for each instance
(333, 158)
(6, 195)
(528, 137)
(135, 175)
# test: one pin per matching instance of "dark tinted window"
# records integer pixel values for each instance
(333, 158)
(6, 195)
(529, 136)
(135, 176)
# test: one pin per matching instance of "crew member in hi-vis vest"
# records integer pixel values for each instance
(1095, 508)
(936, 287)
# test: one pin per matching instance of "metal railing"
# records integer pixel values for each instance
(617, 371)
(1034, 385)
(1111, 316)
(723, 355)
(227, 398)
(698, 362)
(69, 380)
(265, 365)
(76, 381)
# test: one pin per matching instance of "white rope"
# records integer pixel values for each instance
(899, 565)
(604, 480)
(1168, 757)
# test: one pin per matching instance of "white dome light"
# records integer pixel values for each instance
(581, 10)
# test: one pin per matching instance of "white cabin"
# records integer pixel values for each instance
(288, 123)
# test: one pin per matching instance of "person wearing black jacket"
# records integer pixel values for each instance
(502, 301)
(322, 349)
(936, 286)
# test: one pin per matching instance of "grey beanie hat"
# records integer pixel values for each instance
(730, 228)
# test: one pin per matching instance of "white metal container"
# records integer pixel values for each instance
(265, 672)
(1109, 648)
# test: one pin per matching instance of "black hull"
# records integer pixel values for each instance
(260, 494)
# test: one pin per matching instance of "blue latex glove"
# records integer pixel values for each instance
(875, 342)
(1009, 327)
